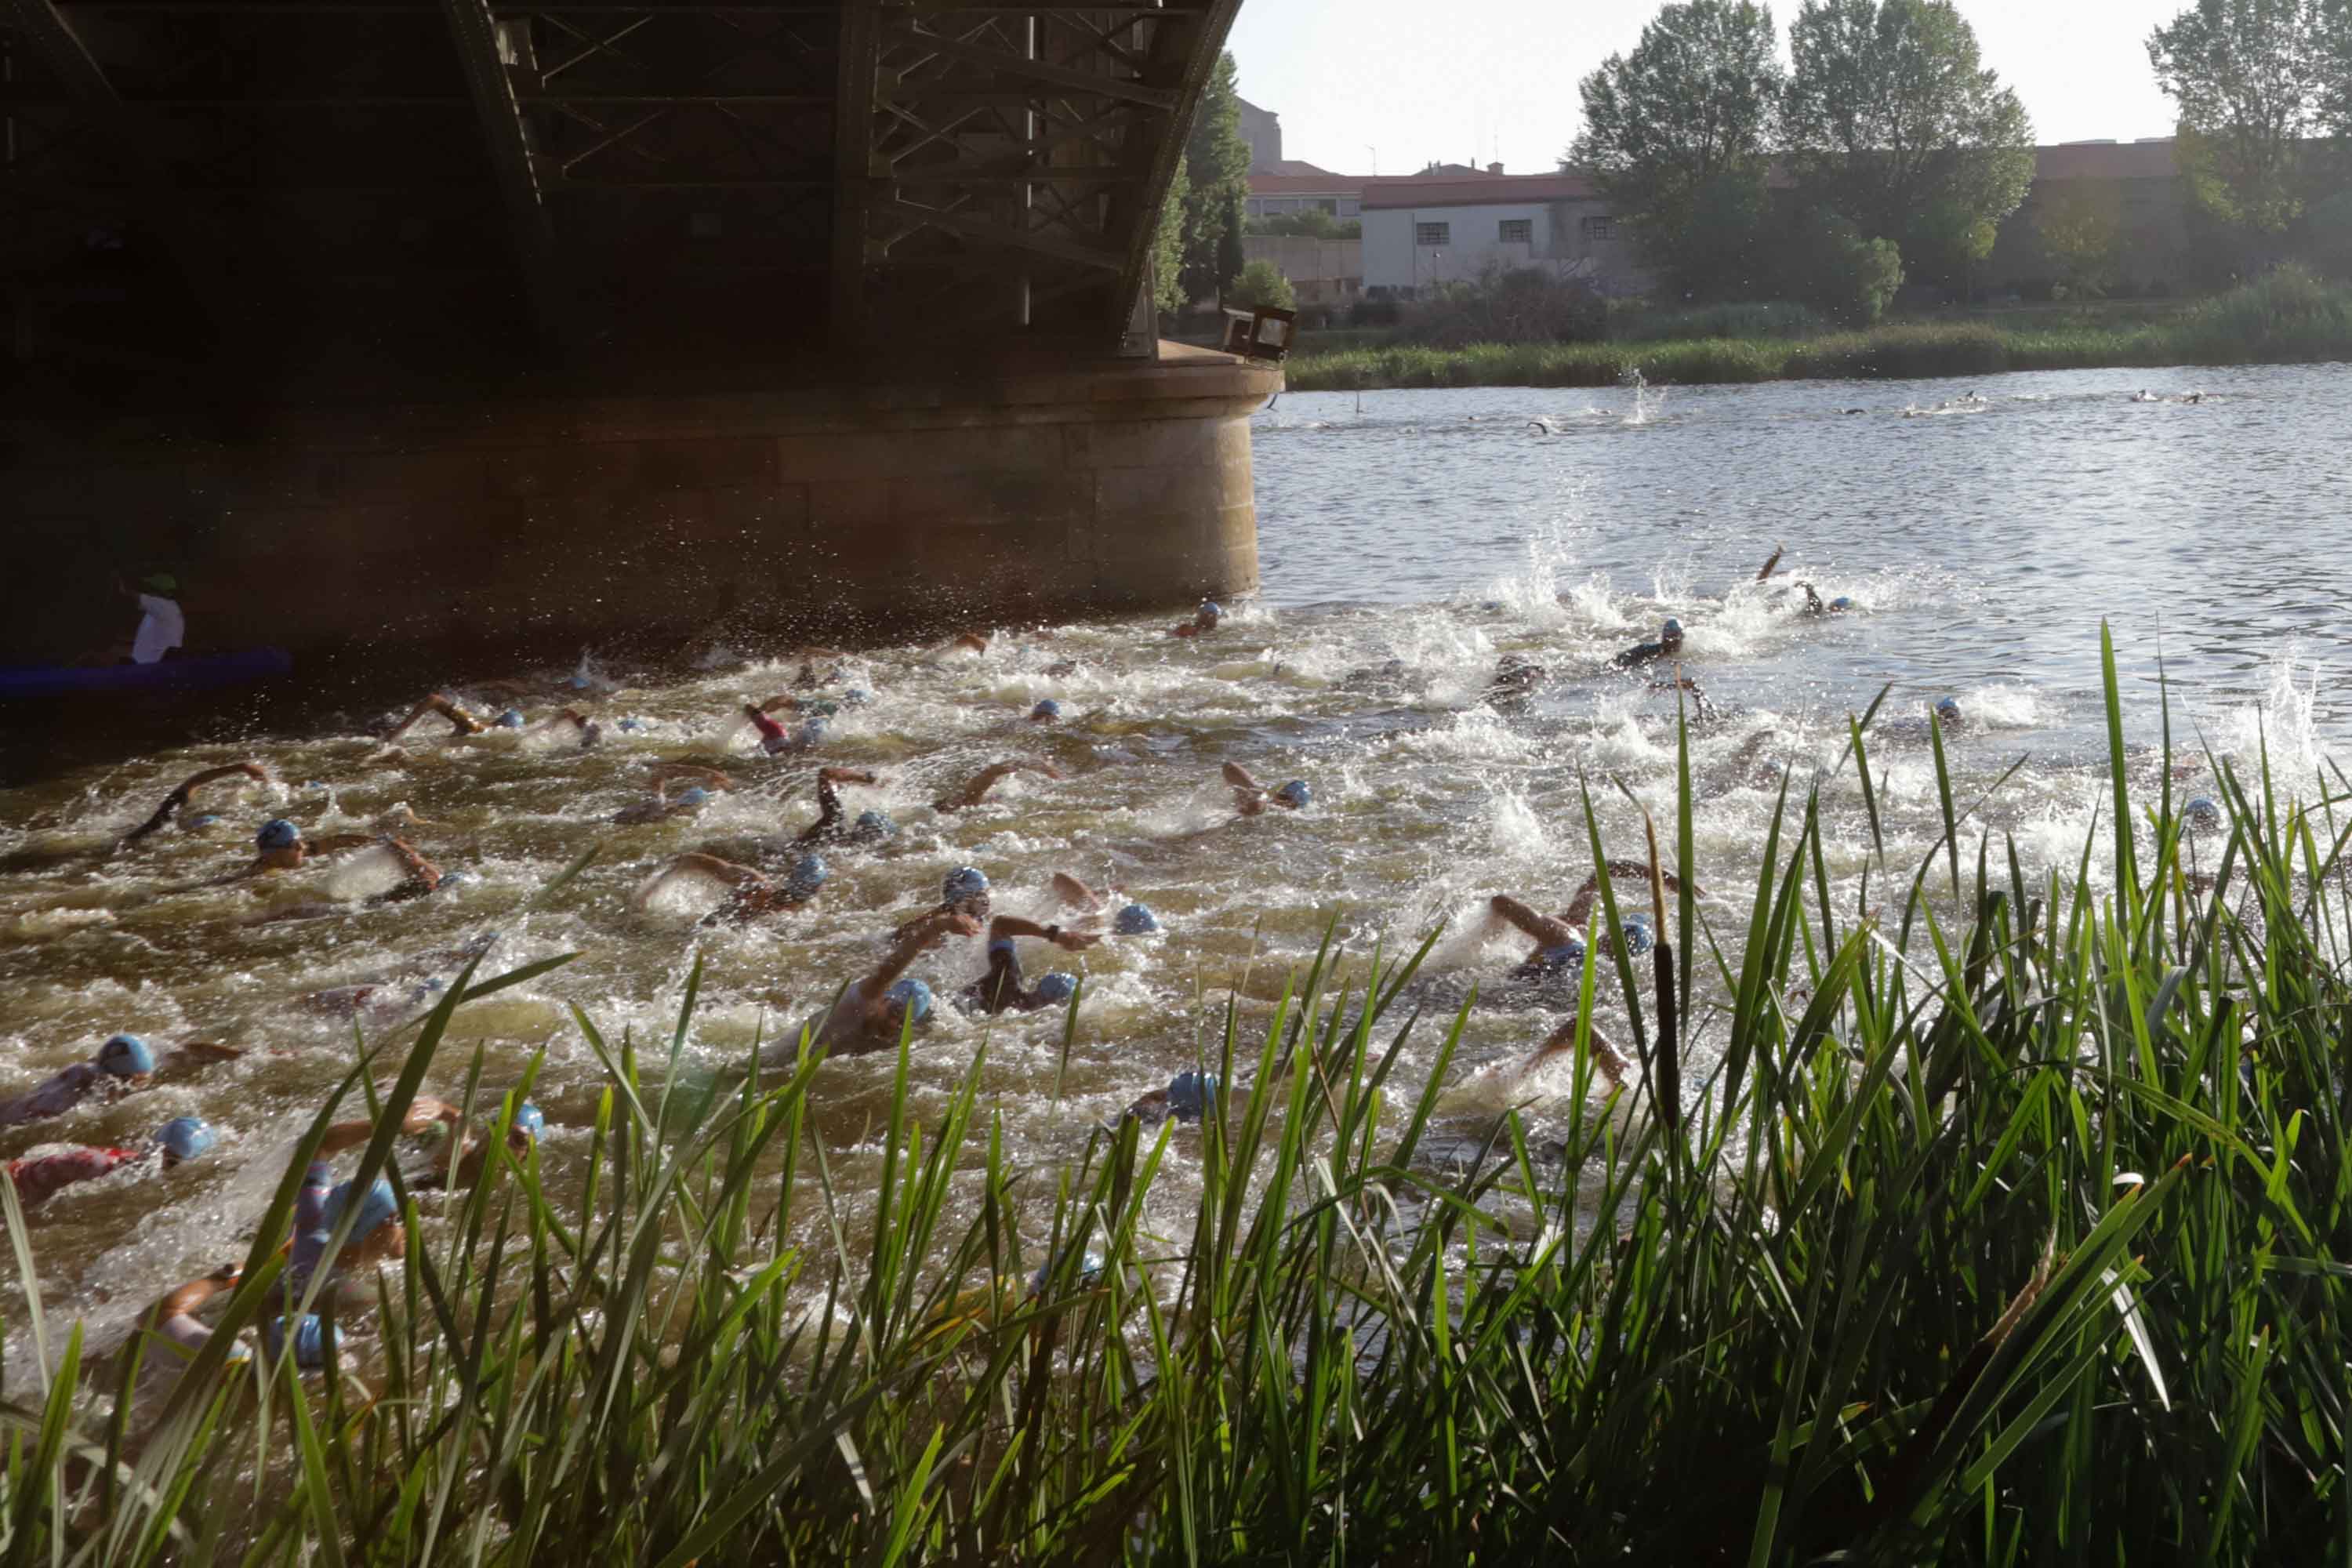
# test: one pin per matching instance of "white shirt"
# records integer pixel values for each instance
(161, 630)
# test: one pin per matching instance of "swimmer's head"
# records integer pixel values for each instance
(824, 708)
(529, 1121)
(184, 1137)
(872, 828)
(1057, 988)
(315, 1344)
(693, 795)
(126, 1056)
(1948, 711)
(452, 880)
(909, 1002)
(377, 1230)
(2203, 815)
(1671, 635)
(1090, 1268)
(1136, 919)
(964, 885)
(807, 877)
(856, 697)
(1561, 958)
(811, 730)
(1840, 605)
(1047, 713)
(1296, 795)
(1209, 614)
(1191, 1094)
(1639, 937)
(277, 834)
(511, 720)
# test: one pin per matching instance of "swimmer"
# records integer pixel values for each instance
(174, 1318)
(1668, 645)
(2201, 816)
(419, 876)
(461, 723)
(1000, 989)
(1251, 798)
(750, 893)
(1814, 605)
(123, 1066)
(1947, 718)
(776, 741)
(1204, 621)
(1559, 942)
(691, 798)
(975, 789)
(1047, 711)
(426, 1116)
(179, 798)
(1516, 678)
(963, 891)
(827, 825)
(38, 1179)
(1703, 710)
(1609, 1065)
(871, 1013)
(964, 642)
(1189, 1097)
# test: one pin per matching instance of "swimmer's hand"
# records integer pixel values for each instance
(1070, 940)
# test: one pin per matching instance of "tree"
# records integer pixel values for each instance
(2081, 225)
(1167, 247)
(1832, 265)
(1677, 135)
(1261, 283)
(2248, 76)
(1216, 165)
(1892, 119)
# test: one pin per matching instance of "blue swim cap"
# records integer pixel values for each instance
(811, 730)
(2201, 815)
(693, 794)
(1189, 1094)
(1296, 795)
(577, 681)
(856, 697)
(277, 833)
(457, 878)
(1950, 705)
(1090, 1269)
(377, 1207)
(630, 724)
(807, 877)
(1840, 603)
(1049, 709)
(529, 1121)
(199, 822)
(909, 998)
(311, 1346)
(873, 825)
(1490, 604)
(1639, 937)
(186, 1137)
(1560, 959)
(1673, 628)
(1211, 609)
(1136, 919)
(511, 720)
(963, 882)
(126, 1056)
(1056, 987)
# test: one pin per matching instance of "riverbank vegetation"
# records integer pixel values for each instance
(2290, 316)
(1972, 1217)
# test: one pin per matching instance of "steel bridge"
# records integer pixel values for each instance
(394, 197)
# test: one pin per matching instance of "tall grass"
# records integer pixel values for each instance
(2289, 317)
(2008, 1225)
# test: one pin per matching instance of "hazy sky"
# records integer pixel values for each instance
(1498, 78)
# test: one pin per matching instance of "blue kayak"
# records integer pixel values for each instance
(201, 673)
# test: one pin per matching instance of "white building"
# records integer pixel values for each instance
(1422, 231)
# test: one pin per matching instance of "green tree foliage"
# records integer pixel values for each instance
(2081, 228)
(1261, 283)
(1892, 119)
(1315, 224)
(1216, 163)
(2251, 79)
(2328, 225)
(1168, 246)
(1832, 265)
(1676, 133)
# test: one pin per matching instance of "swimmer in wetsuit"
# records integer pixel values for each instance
(1668, 645)
(870, 1014)
(1947, 718)
(1560, 944)
(1516, 678)
(1251, 798)
(283, 849)
(776, 741)
(179, 798)
(42, 1177)
(1204, 621)
(752, 894)
(123, 1066)
(1189, 1097)
(963, 891)
(1000, 989)
(1813, 604)
(828, 825)
(973, 790)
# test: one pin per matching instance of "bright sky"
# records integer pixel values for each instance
(1481, 80)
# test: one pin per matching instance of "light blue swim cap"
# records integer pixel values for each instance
(963, 882)
(630, 724)
(277, 833)
(1211, 609)
(873, 827)
(1673, 628)
(811, 730)
(1136, 919)
(511, 719)
(909, 998)
(126, 1056)
(1948, 705)
(311, 1344)
(1840, 603)
(1090, 1269)
(186, 1137)
(1296, 795)
(1639, 937)
(807, 877)
(377, 1208)
(2203, 815)
(576, 681)
(1189, 1094)
(529, 1121)
(1046, 710)
(693, 794)
(457, 878)
(199, 823)
(1056, 987)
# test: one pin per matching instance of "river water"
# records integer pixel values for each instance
(1410, 540)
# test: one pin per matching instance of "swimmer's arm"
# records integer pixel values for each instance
(1075, 893)
(1620, 872)
(336, 844)
(976, 788)
(460, 721)
(179, 798)
(915, 936)
(727, 871)
(696, 773)
(1813, 605)
(1249, 795)
(1538, 928)
(184, 1300)
(424, 1113)
(422, 874)
(1771, 563)
(1014, 925)
(787, 701)
(848, 776)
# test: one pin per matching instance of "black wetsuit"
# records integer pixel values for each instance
(1644, 653)
(1001, 987)
(828, 820)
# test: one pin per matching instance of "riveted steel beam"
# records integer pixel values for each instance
(482, 57)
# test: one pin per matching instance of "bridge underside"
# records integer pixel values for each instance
(273, 201)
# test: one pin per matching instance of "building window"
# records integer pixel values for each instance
(1433, 234)
(1350, 207)
(1254, 206)
(1599, 227)
(1516, 231)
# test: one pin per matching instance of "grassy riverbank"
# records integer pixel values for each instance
(2288, 317)
(1977, 1247)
